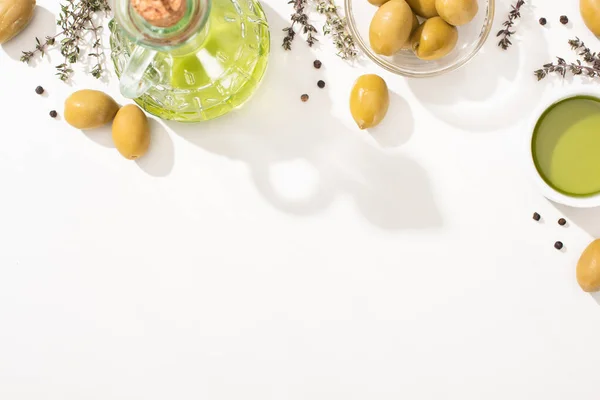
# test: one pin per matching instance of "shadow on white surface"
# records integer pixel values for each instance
(160, 158)
(101, 136)
(493, 91)
(398, 125)
(301, 157)
(587, 219)
(42, 24)
(596, 297)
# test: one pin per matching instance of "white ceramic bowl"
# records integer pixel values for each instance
(532, 171)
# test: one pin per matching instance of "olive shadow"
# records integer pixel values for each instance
(101, 136)
(160, 159)
(41, 25)
(596, 297)
(496, 89)
(280, 138)
(397, 127)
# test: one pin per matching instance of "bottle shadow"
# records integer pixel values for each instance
(289, 143)
(489, 93)
(41, 25)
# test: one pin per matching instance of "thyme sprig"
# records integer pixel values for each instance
(336, 26)
(76, 20)
(561, 67)
(584, 52)
(506, 33)
(301, 18)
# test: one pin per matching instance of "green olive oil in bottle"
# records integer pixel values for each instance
(204, 63)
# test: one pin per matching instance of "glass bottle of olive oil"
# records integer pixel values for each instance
(207, 63)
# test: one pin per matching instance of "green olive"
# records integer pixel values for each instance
(14, 17)
(457, 12)
(131, 132)
(423, 8)
(88, 109)
(434, 39)
(369, 101)
(378, 2)
(590, 12)
(415, 24)
(588, 268)
(390, 27)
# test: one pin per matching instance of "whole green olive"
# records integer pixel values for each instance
(434, 39)
(14, 17)
(131, 132)
(590, 12)
(457, 12)
(88, 109)
(369, 101)
(390, 27)
(423, 8)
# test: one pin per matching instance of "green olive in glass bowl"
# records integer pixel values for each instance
(471, 38)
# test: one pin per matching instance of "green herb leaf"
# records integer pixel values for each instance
(75, 19)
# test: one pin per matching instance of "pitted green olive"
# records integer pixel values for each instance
(390, 28)
(434, 39)
(423, 8)
(588, 268)
(88, 109)
(457, 12)
(590, 12)
(378, 2)
(369, 101)
(131, 132)
(14, 17)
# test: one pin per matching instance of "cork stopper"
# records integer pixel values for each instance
(160, 13)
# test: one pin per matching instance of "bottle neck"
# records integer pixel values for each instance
(166, 32)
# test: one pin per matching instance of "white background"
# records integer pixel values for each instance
(281, 253)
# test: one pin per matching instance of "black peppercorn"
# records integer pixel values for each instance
(317, 64)
(321, 84)
(536, 216)
(304, 98)
(39, 90)
(562, 222)
(558, 245)
(543, 21)
(53, 114)
(564, 20)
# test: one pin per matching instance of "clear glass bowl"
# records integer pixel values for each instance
(471, 38)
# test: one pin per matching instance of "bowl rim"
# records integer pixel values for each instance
(487, 27)
(532, 172)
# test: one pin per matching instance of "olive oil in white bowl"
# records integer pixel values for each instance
(564, 150)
